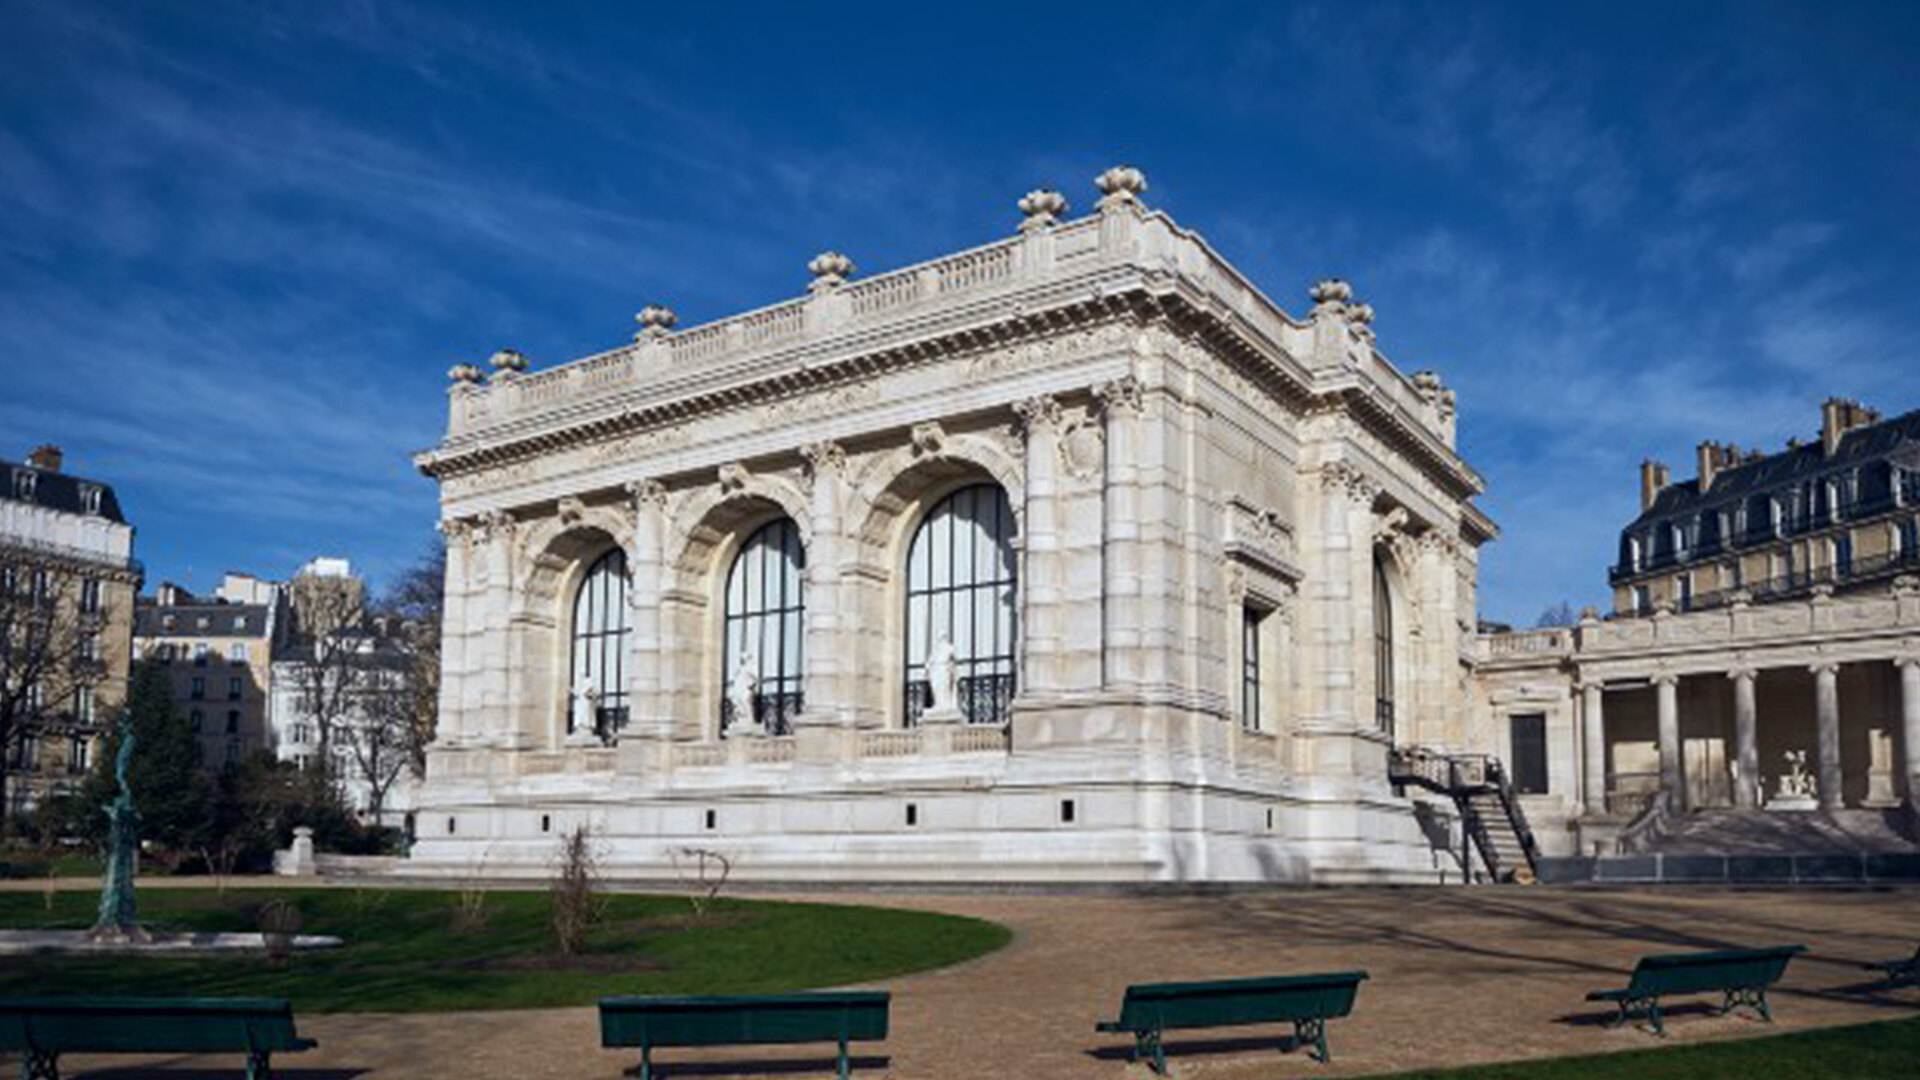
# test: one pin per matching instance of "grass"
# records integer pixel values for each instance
(1862, 1052)
(404, 951)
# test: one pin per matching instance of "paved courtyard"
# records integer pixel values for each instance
(1459, 976)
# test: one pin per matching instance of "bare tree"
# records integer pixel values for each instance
(328, 613)
(48, 612)
(377, 731)
(414, 605)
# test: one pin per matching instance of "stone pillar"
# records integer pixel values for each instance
(1672, 770)
(1746, 790)
(1826, 693)
(649, 715)
(454, 724)
(496, 721)
(1121, 405)
(829, 661)
(1593, 732)
(1910, 727)
(1041, 580)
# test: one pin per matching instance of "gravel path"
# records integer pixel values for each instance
(1458, 976)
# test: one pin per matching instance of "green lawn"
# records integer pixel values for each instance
(406, 951)
(1864, 1052)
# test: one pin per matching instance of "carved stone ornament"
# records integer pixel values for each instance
(825, 457)
(647, 493)
(733, 477)
(1120, 185)
(1125, 394)
(929, 439)
(1043, 207)
(830, 270)
(508, 360)
(1040, 412)
(656, 321)
(495, 524)
(455, 530)
(1360, 317)
(1331, 294)
(1907, 585)
(572, 510)
(1082, 449)
(466, 373)
(1342, 478)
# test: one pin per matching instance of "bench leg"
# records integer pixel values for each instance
(1313, 1033)
(1156, 1054)
(259, 1066)
(39, 1065)
(646, 1061)
(846, 1070)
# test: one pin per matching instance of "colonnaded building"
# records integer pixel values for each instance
(1073, 557)
(1069, 557)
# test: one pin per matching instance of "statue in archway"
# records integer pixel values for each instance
(742, 690)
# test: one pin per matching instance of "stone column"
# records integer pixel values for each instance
(1042, 629)
(495, 659)
(1746, 791)
(1593, 732)
(829, 662)
(1826, 693)
(1910, 727)
(1672, 770)
(649, 716)
(454, 724)
(1121, 405)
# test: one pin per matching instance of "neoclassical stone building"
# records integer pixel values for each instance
(1766, 639)
(1071, 557)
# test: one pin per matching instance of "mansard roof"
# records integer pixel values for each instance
(59, 491)
(1896, 440)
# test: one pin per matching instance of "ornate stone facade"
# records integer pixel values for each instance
(1070, 557)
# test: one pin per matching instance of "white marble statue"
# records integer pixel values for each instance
(942, 676)
(586, 706)
(1795, 783)
(742, 688)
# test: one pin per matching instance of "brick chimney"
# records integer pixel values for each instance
(46, 458)
(1714, 459)
(1654, 478)
(1839, 416)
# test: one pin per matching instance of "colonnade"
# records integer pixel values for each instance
(1827, 772)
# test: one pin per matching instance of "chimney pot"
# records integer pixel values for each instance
(46, 457)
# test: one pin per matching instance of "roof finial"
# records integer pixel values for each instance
(508, 360)
(1120, 185)
(830, 271)
(1043, 207)
(656, 321)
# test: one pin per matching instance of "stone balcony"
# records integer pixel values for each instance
(1846, 627)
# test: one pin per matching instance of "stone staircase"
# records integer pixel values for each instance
(1768, 832)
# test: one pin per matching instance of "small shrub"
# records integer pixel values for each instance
(576, 903)
(470, 906)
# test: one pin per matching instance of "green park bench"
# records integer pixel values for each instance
(40, 1029)
(1742, 975)
(1902, 972)
(1306, 1001)
(647, 1022)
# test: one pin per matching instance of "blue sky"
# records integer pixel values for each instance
(240, 244)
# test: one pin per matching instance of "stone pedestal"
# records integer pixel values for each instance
(1880, 786)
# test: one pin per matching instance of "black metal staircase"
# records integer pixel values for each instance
(1491, 820)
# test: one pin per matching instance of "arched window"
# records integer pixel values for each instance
(1383, 669)
(599, 669)
(960, 597)
(765, 630)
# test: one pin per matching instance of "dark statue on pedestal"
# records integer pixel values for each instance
(118, 919)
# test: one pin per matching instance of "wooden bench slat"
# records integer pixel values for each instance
(40, 1029)
(1743, 975)
(709, 1020)
(1148, 1010)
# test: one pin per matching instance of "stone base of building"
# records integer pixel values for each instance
(1043, 822)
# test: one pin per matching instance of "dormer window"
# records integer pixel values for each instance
(24, 482)
(1677, 540)
(89, 499)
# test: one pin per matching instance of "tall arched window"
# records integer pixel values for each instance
(960, 601)
(1383, 669)
(600, 625)
(765, 630)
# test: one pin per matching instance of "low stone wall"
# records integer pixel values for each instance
(1661, 869)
